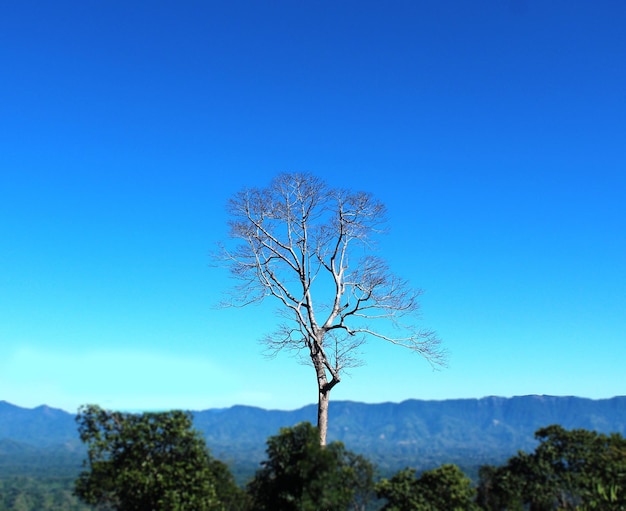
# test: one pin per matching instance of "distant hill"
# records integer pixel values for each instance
(41, 427)
(418, 433)
(423, 434)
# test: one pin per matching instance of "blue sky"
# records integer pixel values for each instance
(494, 131)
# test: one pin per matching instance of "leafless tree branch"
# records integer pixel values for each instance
(300, 241)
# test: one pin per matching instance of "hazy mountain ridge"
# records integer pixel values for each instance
(41, 426)
(413, 432)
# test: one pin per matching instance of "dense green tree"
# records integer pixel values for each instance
(301, 475)
(569, 470)
(499, 489)
(442, 489)
(401, 491)
(145, 462)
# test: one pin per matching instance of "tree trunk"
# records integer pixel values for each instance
(323, 390)
(322, 413)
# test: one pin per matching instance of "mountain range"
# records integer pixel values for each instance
(417, 433)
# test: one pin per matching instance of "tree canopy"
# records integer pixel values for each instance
(575, 469)
(301, 475)
(442, 489)
(146, 462)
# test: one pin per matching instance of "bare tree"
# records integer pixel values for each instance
(311, 248)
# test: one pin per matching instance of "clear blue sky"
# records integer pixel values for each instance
(495, 132)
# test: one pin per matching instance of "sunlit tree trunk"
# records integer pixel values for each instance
(324, 389)
(322, 369)
(322, 415)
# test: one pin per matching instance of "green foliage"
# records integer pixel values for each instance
(401, 491)
(146, 462)
(301, 475)
(361, 474)
(442, 489)
(229, 494)
(38, 494)
(569, 470)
